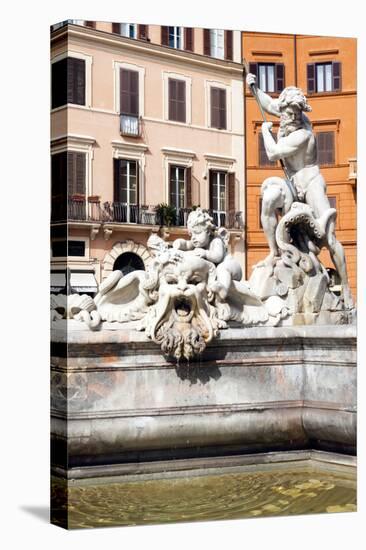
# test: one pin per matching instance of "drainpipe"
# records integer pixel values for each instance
(295, 58)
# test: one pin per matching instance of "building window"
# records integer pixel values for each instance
(263, 159)
(76, 248)
(175, 37)
(73, 248)
(177, 186)
(129, 102)
(68, 181)
(324, 77)
(266, 77)
(326, 148)
(218, 108)
(125, 191)
(217, 43)
(129, 30)
(270, 76)
(177, 100)
(218, 196)
(76, 169)
(68, 82)
(59, 249)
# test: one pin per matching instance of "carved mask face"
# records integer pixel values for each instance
(181, 324)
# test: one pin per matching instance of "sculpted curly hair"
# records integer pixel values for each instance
(199, 217)
(292, 96)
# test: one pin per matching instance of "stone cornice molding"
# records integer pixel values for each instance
(132, 147)
(141, 46)
(172, 151)
(72, 139)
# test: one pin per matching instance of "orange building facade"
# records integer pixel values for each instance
(325, 69)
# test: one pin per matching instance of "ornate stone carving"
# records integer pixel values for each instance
(296, 275)
(190, 290)
(80, 307)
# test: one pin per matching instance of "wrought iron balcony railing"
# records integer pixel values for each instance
(130, 125)
(122, 213)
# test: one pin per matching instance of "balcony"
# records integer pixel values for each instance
(130, 125)
(92, 211)
(352, 174)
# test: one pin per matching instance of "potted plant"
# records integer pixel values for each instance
(78, 197)
(94, 198)
(165, 214)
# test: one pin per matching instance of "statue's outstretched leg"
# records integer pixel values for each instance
(317, 198)
(275, 194)
(336, 251)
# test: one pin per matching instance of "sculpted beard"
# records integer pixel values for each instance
(287, 125)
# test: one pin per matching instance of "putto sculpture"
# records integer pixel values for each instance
(191, 289)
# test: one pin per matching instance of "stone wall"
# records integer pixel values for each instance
(116, 398)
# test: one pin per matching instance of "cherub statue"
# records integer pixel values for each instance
(208, 243)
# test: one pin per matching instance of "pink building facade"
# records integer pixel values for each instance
(141, 133)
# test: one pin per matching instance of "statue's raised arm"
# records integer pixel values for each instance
(268, 103)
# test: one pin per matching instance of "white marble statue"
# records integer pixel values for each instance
(190, 290)
(303, 183)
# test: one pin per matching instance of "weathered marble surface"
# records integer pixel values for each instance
(252, 389)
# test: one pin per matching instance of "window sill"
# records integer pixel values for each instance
(327, 94)
(67, 105)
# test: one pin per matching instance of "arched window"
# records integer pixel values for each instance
(127, 262)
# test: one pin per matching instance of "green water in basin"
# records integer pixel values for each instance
(279, 492)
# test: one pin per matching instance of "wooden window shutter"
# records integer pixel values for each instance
(253, 68)
(182, 100)
(164, 36)
(231, 192)
(116, 28)
(177, 100)
(189, 39)
(129, 92)
(188, 174)
(134, 93)
(59, 83)
(215, 107)
(223, 109)
(116, 180)
(211, 184)
(143, 32)
(76, 173)
(337, 73)
(124, 91)
(206, 42)
(279, 77)
(325, 146)
(310, 75)
(70, 80)
(137, 183)
(172, 95)
(59, 186)
(80, 173)
(229, 45)
(75, 81)
(329, 140)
